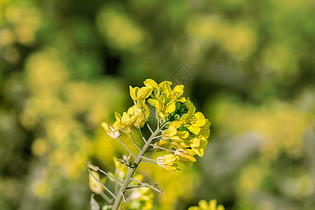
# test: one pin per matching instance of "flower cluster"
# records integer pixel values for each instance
(181, 133)
(187, 130)
(204, 205)
(140, 195)
(184, 132)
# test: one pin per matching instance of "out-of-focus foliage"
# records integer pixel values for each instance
(65, 66)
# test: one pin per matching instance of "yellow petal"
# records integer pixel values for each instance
(182, 100)
(167, 83)
(166, 87)
(117, 124)
(183, 134)
(167, 162)
(194, 129)
(146, 111)
(125, 119)
(133, 119)
(131, 110)
(170, 107)
(205, 131)
(198, 151)
(203, 204)
(154, 102)
(144, 92)
(195, 142)
(151, 83)
(105, 126)
(183, 117)
(213, 205)
(190, 112)
(169, 159)
(171, 168)
(178, 90)
(185, 156)
(133, 92)
(220, 207)
(117, 116)
(175, 124)
(201, 120)
(172, 131)
(190, 152)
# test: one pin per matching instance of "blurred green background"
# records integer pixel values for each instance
(249, 66)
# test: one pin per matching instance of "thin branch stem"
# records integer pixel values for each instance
(117, 180)
(132, 170)
(134, 141)
(158, 121)
(157, 137)
(142, 135)
(145, 161)
(146, 122)
(149, 150)
(147, 185)
(106, 198)
(132, 187)
(100, 183)
(155, 146)
(165, 123)
(126, 147)
(93, 167)
(96, 168)
(148, 159)
(123, 196)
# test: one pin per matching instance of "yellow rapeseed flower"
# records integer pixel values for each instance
(204, 205)
(111, 131)
(168, 162)
(93, 183)
(185, 156)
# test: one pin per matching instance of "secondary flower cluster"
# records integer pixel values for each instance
(204, 205)
(139, 196)
(184, 132)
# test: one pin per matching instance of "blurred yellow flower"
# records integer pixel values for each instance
(119, 30)
(137, 93)
(141, 198)
(112, 132)
(93, 182)
(168, 162)
(185, 156)
(204, 205)
(39, 147)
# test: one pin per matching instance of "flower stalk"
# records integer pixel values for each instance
(133, 169)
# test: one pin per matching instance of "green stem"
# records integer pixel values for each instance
(132, 170)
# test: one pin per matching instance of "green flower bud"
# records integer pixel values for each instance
(176, 117)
